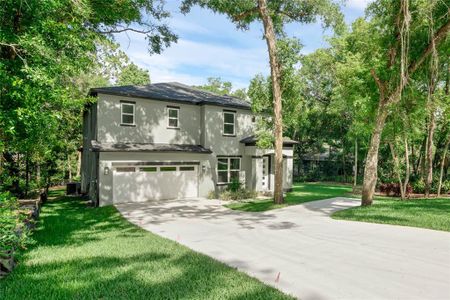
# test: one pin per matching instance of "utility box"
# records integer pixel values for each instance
(73, 188)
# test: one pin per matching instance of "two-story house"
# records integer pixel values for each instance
(168, 141)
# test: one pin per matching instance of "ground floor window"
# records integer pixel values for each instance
(228, 168)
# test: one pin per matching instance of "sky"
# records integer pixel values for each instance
(209, 45)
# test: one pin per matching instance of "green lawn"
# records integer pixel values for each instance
(425, 213)
(93, 253)
(302, 192)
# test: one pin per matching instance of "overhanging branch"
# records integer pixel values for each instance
(438, 37)
(379, 83)
(245, 14)
(125, 30)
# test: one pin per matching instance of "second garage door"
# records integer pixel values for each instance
(145, 183)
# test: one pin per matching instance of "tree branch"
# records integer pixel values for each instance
(392, 52)
(379, 83)
(291, 16)
(437, 38)
(244, 14)
(125, 30)
(15, 50)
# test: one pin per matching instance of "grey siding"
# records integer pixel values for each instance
(151, 122)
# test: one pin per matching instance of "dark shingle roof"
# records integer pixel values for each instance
(251, 141)
(174, 92)
(146, 147)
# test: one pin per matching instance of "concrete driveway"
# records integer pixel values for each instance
(303, 252)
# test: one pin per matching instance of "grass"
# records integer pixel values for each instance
(301, 193)
(425, 213)
(94, 253)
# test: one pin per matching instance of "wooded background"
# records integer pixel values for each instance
(386, 74)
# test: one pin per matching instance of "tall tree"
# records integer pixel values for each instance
(273, 15)
(131, 74)
(44, 47)
(218, 86)
(403, 36)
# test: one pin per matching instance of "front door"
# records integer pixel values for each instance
(265, 173)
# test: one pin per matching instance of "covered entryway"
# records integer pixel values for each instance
(140, 183)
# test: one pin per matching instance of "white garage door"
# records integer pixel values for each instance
(144, 183)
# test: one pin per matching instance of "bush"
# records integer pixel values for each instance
(419, 186)
(234, 185)
(394, 189)
(240, 194)
(13, 232)
(211, 195)
(445, 188)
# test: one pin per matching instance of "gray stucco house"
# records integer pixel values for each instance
(167, 141)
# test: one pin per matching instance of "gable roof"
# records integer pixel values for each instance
(173, 92)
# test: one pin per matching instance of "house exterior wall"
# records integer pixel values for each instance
(214, 138)
(206, 171)
(151, 122)
(199, 125)
(257, 154)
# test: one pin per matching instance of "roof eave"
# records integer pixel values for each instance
(150, 151)
(94, 93)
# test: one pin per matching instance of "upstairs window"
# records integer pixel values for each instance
(173, 114)
(229, 120)
(127, 113)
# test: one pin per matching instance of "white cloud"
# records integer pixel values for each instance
(358, 4)
(181, 25)
(192, 62)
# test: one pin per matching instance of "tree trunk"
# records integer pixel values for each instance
(408, 170)
(27, 174)
(429, 156)
(397, 171)
(344, 173)
(370, 170)
(38, 174)
(419, 165)
(69, 167)
(447, 82)
(79, 164)
(355, 167)
(270, 37)
(441, 175)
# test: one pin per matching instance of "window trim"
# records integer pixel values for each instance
(186, 168)
(177, 109)
(133, 104)
(168, 169)
(228, 170)
(125, 169)
(150, 169)
(231, 112)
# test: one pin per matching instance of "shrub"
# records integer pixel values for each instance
(211, 194)
(13, 232)
(234, 185)
(445, 188)
(394, 189)
(240, 194)
(419, 186)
